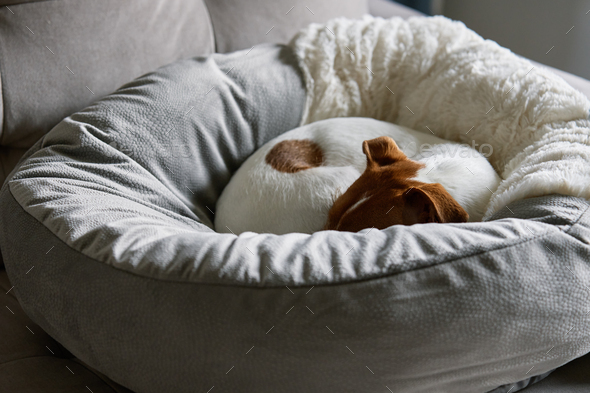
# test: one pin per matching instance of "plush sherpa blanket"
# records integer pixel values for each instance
(436, 75)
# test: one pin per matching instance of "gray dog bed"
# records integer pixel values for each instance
(127, 272)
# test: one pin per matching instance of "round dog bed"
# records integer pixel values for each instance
(108, 239)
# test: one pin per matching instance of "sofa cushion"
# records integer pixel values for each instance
(240, 24)
(56, 57)
(9, 157)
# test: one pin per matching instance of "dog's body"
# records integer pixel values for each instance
(292, 182)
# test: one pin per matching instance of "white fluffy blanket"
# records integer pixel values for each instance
(435, 75)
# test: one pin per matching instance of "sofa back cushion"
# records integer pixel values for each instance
(239, 24)
(56, 57)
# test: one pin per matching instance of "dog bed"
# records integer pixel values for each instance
(127, 272)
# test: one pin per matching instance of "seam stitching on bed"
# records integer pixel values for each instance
(576, 222)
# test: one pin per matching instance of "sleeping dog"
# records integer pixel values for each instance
(348, 174)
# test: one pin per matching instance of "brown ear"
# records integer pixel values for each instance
(432, 203)
(419, 208)
(382, 151)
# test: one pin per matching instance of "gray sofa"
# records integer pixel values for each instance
(57, 57)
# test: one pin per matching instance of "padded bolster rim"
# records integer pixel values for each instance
(80, 347)
(566, 230)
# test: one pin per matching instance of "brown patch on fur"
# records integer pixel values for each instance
(385, 194)
(294, 155)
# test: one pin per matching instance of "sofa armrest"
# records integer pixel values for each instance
(388, 9)
(575, 81)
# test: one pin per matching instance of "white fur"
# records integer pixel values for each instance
(434, 72)
(262, 199)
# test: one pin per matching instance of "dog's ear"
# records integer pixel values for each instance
(419, 208)
(382, 151)
(431, 203)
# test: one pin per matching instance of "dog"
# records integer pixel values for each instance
(349, 174)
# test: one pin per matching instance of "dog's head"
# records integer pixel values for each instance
(386, 194)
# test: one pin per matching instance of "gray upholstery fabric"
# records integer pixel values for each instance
(103, 43)
(9, 157)
(571, 378)
(126, 272)
(240, 24)
(32, 361)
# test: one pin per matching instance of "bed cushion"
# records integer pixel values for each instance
(127, 272)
